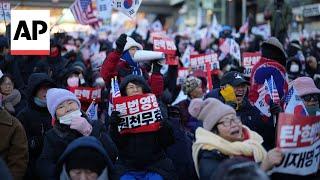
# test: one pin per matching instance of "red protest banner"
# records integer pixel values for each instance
(164, 44)
(140, 113)
(87, 94)
(249, 59)
(298, 139)
(198, 61)
(167, 46)
(182, 75)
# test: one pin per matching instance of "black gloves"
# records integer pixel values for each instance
(121, 42)
(275, 109)
(115, 118)
(156, 67)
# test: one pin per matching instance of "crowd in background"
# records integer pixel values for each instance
(209, 134)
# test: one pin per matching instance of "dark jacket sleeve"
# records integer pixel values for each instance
(109, 67)
(208, 163)
(18, 152)
(46, 164)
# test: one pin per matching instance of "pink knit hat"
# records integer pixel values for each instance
(210, 111)
(305, 85)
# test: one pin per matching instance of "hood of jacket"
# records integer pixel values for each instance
(85, 141)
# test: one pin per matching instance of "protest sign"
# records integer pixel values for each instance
(298, 139)
(182, 75)
(86, 94)
(167, 46)
(5, 11)
(199, 61)
(139, 113)
(249, 59)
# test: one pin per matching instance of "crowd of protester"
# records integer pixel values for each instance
(210, 134)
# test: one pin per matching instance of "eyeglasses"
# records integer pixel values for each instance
(134, 87)
(310, 97)
(227, 123)
(6, 84)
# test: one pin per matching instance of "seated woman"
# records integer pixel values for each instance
(141, 155)
(70, 124)
(223, 136)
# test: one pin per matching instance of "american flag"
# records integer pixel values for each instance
(288, 96)
(273, 90)
(83, 12)
(114, 92)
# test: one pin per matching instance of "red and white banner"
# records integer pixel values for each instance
(140, 113)
(87, 94)
(249, 59)
(167, 46)
(164, 44)
(199, 61)
(298, 139)
(182, 75)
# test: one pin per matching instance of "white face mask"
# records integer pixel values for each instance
(73, 81)
(294, 68)
(228, 67)
(66, 119)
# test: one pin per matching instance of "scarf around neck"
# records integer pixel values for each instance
(11, 100)
(136, 68)
(206, 140)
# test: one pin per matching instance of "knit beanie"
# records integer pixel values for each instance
(131, 43)
(305, 86)
(210, 111)
(137, 80)
(86, 158)
(56, 96)
(190, 84)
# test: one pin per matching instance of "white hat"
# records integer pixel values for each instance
(132, 43)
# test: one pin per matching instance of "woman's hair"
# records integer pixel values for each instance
(4, 77)
(215, 129)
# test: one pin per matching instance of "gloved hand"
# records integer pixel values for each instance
(115, 118)
(81, 125)
(275, 109)
(156, 66)
(121, 42)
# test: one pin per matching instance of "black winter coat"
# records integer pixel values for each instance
(56, 141)
(144, 151)
(36, 121)
(208, 162)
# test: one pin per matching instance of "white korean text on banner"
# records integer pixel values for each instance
(5, 11)
(298, 139)
(249, 59)
(182, 75)
(128, 7)
(87, 94)
(167, 46)
(139, 113)
(199, 61)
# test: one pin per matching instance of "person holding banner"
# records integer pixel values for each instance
(69, 124)
(223, 136)
(309, 94)
(142, 152)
